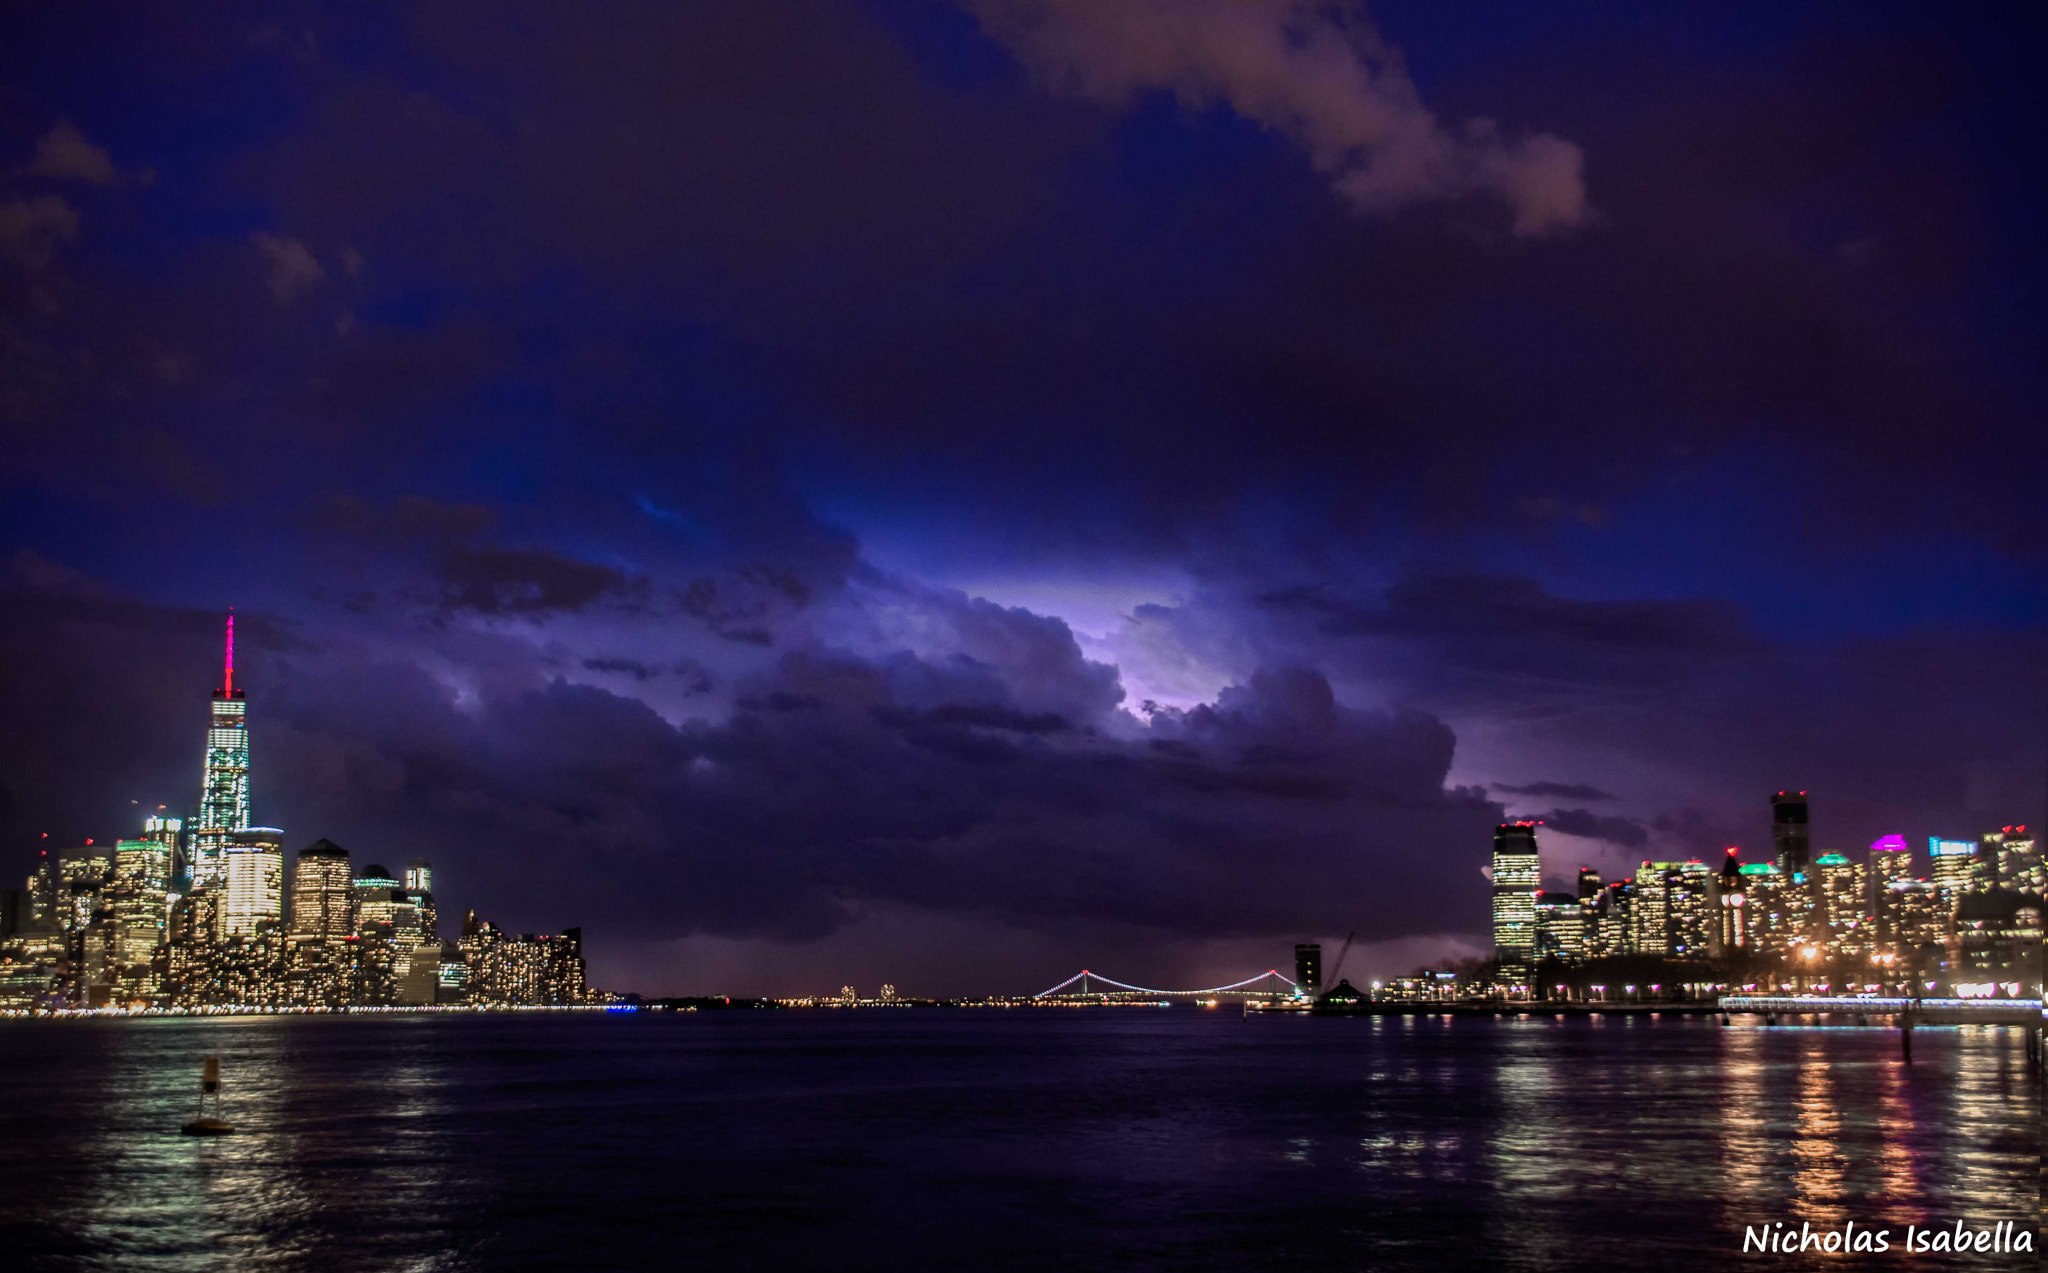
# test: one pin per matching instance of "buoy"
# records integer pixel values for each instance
(209, 1085)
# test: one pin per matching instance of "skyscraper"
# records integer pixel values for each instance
(141, 898)
(254, 896)
(1517, 878)
(2017, 859)
(1788, 832)
(419, 876)
(1308, 966)
(1844, 904)
(323, 896)
(224, 794)
(1954, 862)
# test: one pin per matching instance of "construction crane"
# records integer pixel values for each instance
(1330, 978)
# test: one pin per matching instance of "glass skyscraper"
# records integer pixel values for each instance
(255, 882)
(224, 794)
(1517, 879)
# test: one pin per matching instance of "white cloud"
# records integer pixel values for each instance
(1321, 76)
(65, 152)
(292, 269)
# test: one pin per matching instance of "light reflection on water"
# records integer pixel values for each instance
(1014, 1140)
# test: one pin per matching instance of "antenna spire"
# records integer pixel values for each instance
(228, 685)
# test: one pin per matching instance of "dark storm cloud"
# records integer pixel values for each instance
(527, 581)
(1557, 790)
(1625, 832)
(839, 782)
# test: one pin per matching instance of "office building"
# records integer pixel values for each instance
(1954, 866)
(1772, 922)
(323, 894)
(419, 876)
(1788, 832)
(1517, 878)
(1844, 904)
(1308, 966)
(1913, 918)
(140, 905)
(253, 897)
(224, 790)
(1994, 945)
(1589, 884)
(1673, 912)
(1560, 928)
(2017, 857)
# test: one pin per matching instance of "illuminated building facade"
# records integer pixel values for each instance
(323, 894)
(1842, 888)
(1995, 944)
(224, 790)
(1613, 921)
(1768, 920)
(1308, 966)
(2018, 859)
(1517, 878)
(1560, 928)
(141, 906)
(1673, 913)
(1955, 862)
(1913, 917)
(1788, 832)
(252, 900)
(1730, 908)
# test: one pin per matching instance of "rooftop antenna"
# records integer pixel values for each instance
(228, 685)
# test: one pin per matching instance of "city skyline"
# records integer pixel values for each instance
(216, 877)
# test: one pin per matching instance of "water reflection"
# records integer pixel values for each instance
(955, 1140)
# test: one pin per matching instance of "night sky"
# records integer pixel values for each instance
(953, 494)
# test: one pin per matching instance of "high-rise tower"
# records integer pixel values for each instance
(1788, 832)
(1517, 878)
(224, 797)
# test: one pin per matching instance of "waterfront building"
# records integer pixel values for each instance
(1673, 913)
(170, 834)
(1613, 923)
(253, 899)
(1517, 879)
(1766, 922)
(42, 891)
(1560, 928)
(1955, 863)
(1995, 944)
(1308, 966)
(1891, 860)
(185, 974)
(1842, 889)
(83, 873)
(1729, 908)
(1913, 918)
(2018, 859)
(378, 896)
(224, 790)
(1788, 832)
(140, 906)
(323, 894)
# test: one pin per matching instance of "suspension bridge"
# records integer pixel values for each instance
(1268, 983)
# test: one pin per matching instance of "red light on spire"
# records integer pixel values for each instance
(228, 684)
(1732, 850)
